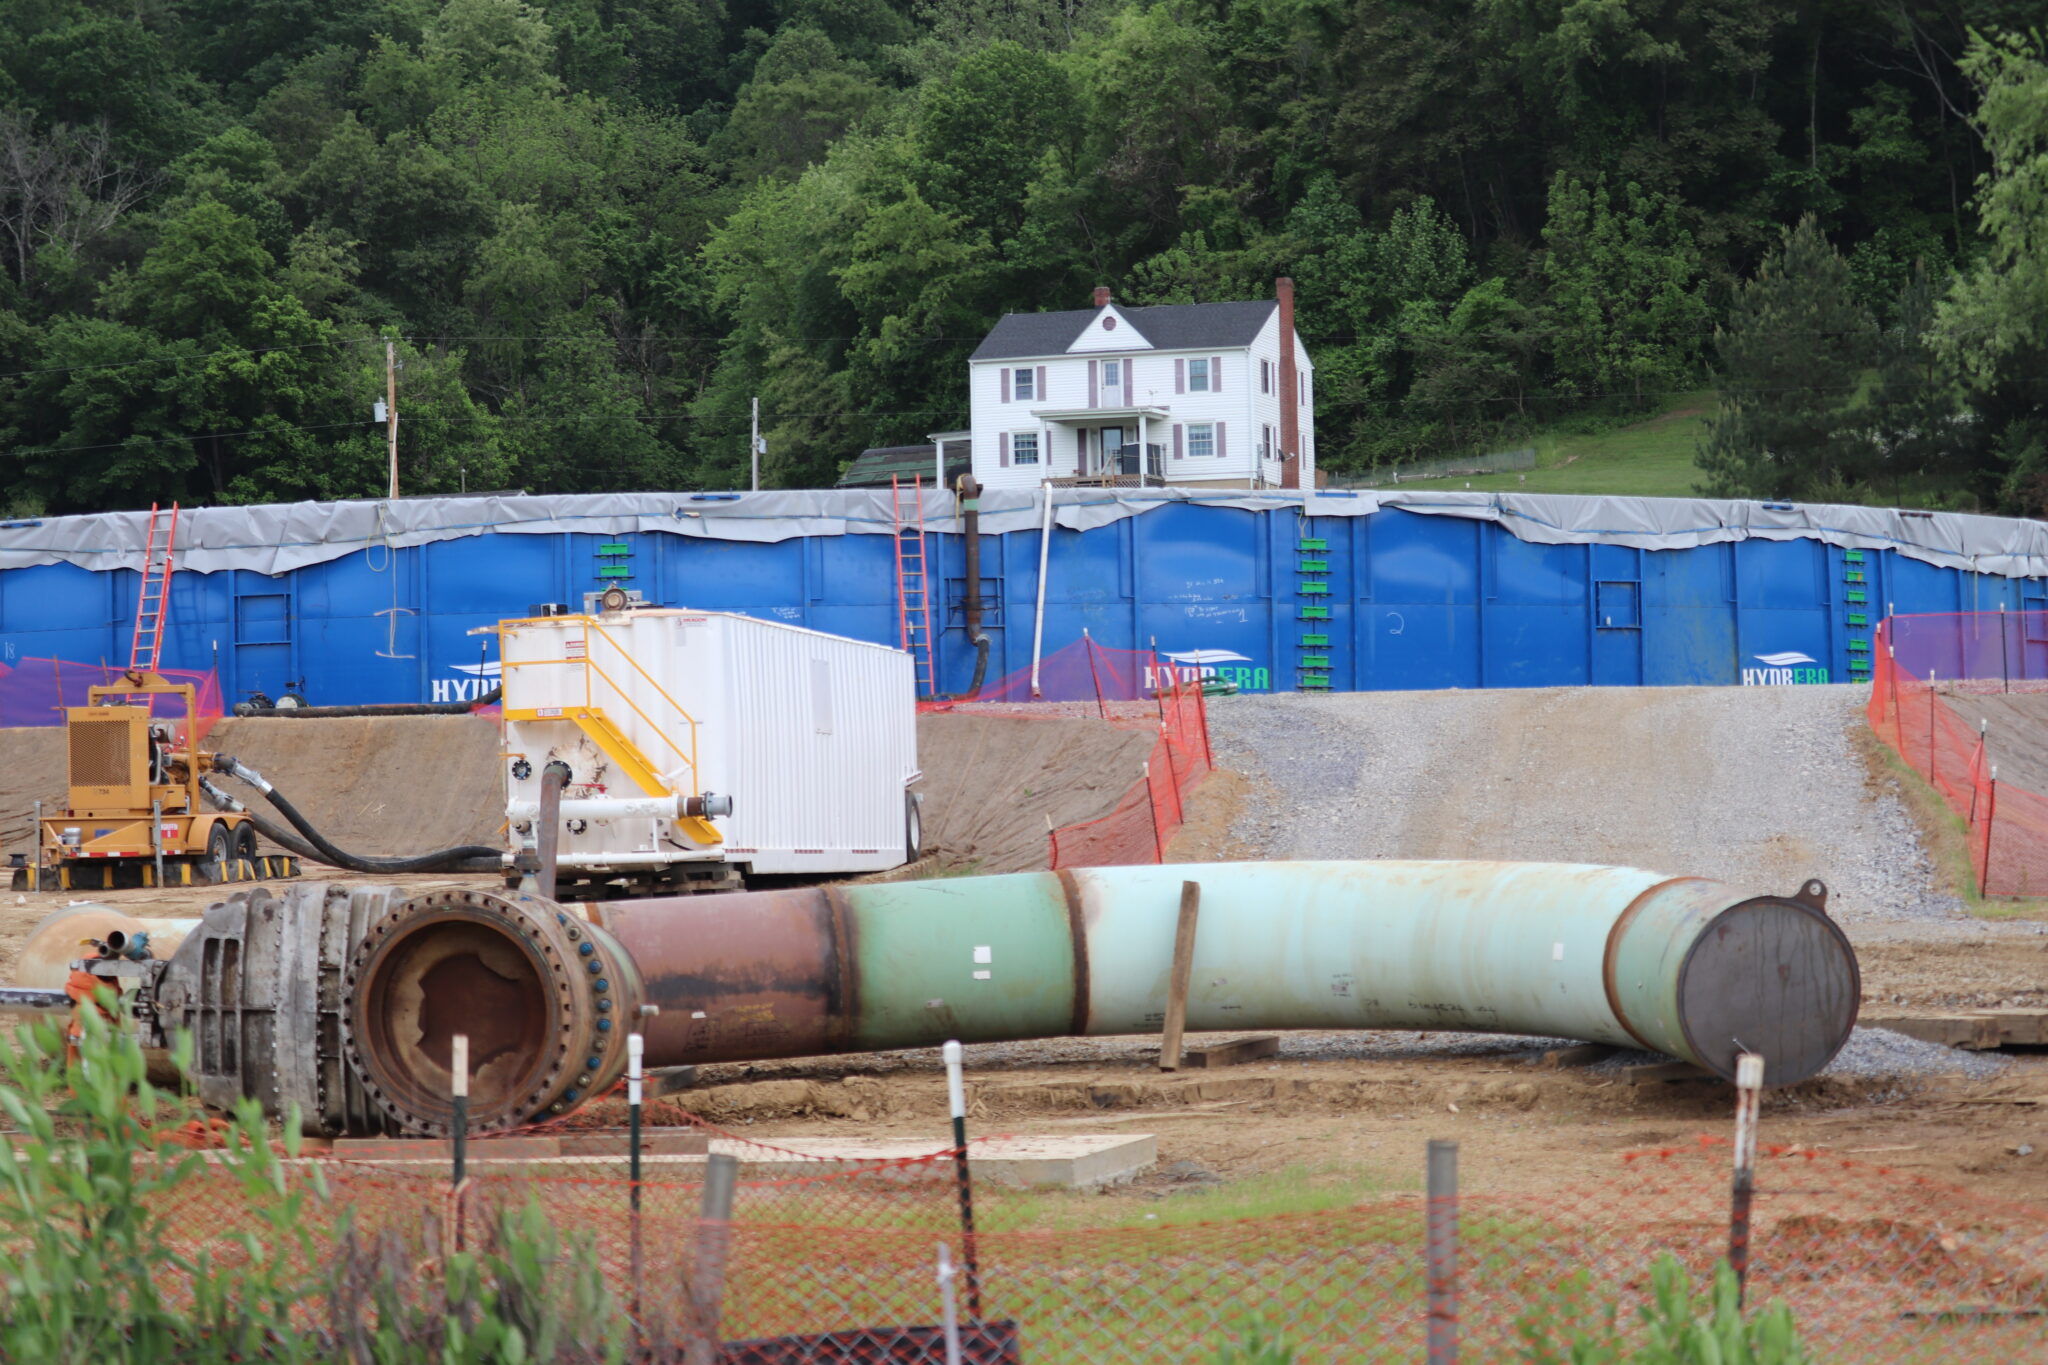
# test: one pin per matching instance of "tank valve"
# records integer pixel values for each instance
(709, 804)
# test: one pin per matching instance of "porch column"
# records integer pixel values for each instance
(1144, 450)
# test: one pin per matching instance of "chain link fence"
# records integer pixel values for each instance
(822, 1258)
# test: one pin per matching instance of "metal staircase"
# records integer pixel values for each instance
(148, 647)
(913, 598)
(610, 735)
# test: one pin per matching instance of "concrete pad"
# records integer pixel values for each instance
(1068, 1160)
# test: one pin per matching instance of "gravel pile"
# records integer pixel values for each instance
(1880, 1054)
(1759, 787)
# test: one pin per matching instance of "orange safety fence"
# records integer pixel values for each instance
(35, 692)
(1132, 689)
(1926, 667)
(1876, 1265)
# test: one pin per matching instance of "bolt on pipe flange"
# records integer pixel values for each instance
(544, 996)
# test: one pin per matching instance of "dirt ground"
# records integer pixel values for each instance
(2017, 740)
(1328, 1106)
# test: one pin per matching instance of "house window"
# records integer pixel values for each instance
(1265, 376)
(1201, 437)
(1024, 446)
(1025, 385)
(1112, 373)
(1266, 442)
(1198, 375)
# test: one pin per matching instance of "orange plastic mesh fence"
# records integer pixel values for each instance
(1922, 662)
(35, 692)
(1875, 1264)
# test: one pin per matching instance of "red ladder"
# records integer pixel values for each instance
(913, 601)
(150, 610)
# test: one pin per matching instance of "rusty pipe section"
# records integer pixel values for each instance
(547, 993)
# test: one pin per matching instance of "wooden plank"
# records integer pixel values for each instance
(423, 1149)
(1234, 1053)
(1977, 1030)
(1177, 983)
(1585, 1054)
(1656, 1073)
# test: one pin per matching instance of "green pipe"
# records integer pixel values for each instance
(1683, 966)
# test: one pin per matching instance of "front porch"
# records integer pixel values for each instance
(1104, 447)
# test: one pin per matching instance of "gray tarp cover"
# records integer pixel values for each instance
(287, 536)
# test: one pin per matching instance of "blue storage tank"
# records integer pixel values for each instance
(1275, 592)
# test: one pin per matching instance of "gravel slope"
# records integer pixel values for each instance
(1759, 787)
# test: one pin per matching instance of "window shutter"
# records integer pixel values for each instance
(1041, 383)
(1215, 374)
(1094, 381)
(1220, 452)
(1006, 383)
(1178, 449)
(1180, 378)
(1003, 448)
(1301, 384)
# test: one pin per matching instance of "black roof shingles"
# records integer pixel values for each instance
(873, 466)
(1169, 327)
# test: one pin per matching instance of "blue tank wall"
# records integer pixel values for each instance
(1412, 601)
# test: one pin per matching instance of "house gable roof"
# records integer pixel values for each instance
(1169, 327)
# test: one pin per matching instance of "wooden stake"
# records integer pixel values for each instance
(1177, 984)
(391, 408)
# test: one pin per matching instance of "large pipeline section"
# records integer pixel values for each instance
(1679, 965)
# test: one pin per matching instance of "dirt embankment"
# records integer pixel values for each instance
(993, 782)
(2016, 734)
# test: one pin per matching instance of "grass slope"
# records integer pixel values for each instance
(1651, 458)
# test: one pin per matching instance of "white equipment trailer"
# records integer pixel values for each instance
(702, 746)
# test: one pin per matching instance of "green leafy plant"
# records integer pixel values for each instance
(1677, 1327)
(116, 1249)
(1259, 1345)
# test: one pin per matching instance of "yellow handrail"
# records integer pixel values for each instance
(591, 665)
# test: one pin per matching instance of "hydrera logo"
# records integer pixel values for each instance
(482, 678)
(1194, 664)
(1783, 669)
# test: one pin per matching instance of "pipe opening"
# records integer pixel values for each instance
(448, 976)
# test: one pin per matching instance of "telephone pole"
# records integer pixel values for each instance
(754, 445)
(391, 408)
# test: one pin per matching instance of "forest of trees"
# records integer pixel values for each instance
(597, 228)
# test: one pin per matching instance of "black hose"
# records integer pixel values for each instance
(464, 858)
(420, 708)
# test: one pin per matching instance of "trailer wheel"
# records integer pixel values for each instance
(245, 841)
(220, 848)
(913, 827)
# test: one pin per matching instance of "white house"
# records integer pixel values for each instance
(1214, 395)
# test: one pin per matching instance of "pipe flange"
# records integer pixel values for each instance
(536, 989)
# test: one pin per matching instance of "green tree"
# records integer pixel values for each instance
(1625, 294)
(1791, 357)
(1994, 324)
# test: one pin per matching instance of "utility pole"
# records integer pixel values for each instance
(754, 445)
(391, 408)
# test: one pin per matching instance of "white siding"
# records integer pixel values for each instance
(1239, 406)
(1097, 338)
(812, 735)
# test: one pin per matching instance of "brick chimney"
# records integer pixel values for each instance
(1290, 383)
(1102, 296)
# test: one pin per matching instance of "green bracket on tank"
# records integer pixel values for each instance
(1315, 641)
(614, 561)
(1315, 611)
(1312, 544)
